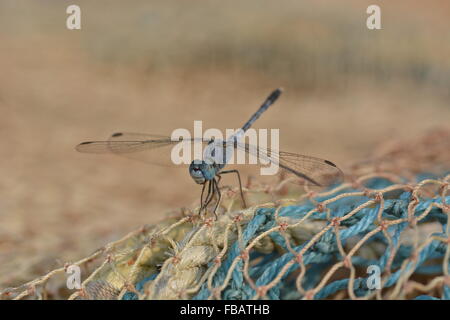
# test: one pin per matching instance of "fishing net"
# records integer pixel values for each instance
(382, 234)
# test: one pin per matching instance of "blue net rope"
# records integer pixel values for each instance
(380, 236)
(371, 219)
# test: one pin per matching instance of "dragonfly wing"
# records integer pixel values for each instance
(138, 146)
(125, 143)
(310, 170)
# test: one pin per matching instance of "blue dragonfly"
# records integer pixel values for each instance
(208, 171)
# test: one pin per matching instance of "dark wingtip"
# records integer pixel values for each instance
(330, 163)
(77, 147)
(86, 142)
(117, 134)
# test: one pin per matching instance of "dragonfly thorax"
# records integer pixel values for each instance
(202, 171)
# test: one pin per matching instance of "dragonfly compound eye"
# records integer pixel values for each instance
(196, 173)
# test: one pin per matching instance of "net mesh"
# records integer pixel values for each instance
(383, 234)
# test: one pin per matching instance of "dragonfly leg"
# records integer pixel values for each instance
(210, 196)
(201, 196)
(204, 203)
(216, 185)
(219, 177)
(240, 183)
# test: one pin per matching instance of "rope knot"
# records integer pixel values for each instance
(129, 286)
(309, 295)
(208, 222)
(175, 259)
(336, 222)
(447, 280)
(384, 225)
(192, 218)
(66, 266)
(143, 229)
(244, 255)
(181, 294)
(261, 291)
(230, 193)
(367, 192)
(109, 258)
(408, 287)
(283, 226)
(412, 221)
(446, 208)
(152, 242)
(82, 293)
(218, 259)
(320, 207)
(414, 200)
(347, 262)
(378, 197)
(31, 290)
(414, 256)
(216, 292)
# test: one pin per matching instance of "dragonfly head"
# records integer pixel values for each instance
(202, 171)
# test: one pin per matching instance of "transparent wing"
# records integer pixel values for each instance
(310, 170)
(154, 149)
(148, 148)
(125, 143)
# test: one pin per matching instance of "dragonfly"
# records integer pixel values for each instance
(209, 170)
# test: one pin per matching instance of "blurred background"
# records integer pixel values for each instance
(153, 66)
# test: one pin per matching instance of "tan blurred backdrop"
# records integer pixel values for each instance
(153, 66)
